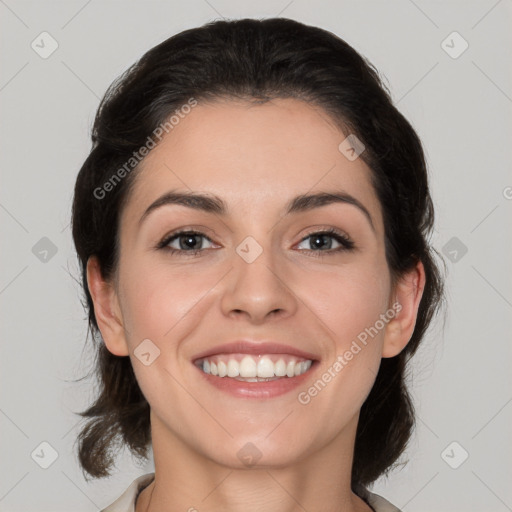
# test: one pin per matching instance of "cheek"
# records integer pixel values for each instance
(350, 305)
(349, 300)
(156, 298)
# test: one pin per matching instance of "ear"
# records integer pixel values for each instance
(407, 296)
(106, 309)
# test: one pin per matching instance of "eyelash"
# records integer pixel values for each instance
(346, 243)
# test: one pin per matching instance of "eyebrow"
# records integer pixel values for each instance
(214, 204)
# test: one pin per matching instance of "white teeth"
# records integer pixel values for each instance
(222, 369)
(248, 367)
(265, 368)
(233, 368)
(253, 369)
(280, 368)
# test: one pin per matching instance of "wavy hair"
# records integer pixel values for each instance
(255, 60)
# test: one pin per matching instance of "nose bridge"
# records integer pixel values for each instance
(255, 284)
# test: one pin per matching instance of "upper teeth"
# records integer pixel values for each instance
(249, 366)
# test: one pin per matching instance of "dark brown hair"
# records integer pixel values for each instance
(254, 60)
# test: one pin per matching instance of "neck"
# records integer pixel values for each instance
(185, 480)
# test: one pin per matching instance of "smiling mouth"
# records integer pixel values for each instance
(250, 368)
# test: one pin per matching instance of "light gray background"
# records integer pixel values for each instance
(461, 108)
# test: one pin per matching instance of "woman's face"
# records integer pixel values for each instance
(262, 274)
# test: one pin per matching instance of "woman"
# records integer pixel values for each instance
(253, 225)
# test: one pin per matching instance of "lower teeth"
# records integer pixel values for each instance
(255, 379)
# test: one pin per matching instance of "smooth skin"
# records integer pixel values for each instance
(256, 158)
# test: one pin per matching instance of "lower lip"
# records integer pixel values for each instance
(268, 389)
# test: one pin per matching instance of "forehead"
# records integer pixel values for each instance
(252, 155)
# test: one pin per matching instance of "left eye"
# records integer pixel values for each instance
(324, 241)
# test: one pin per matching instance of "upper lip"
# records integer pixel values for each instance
(254, 348)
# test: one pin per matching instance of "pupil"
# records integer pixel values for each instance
(320, 239)
(189, 238)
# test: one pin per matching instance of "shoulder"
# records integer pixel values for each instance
(378, 503)
(126, 502)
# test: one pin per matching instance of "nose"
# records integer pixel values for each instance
(258, 289)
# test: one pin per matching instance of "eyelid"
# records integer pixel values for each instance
(196, 228)
(326, 230)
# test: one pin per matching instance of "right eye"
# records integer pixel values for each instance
(185, 242)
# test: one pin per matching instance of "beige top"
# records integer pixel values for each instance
(126, 502)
